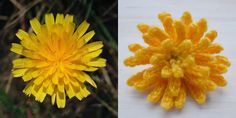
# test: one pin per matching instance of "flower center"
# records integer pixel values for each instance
(173, 57)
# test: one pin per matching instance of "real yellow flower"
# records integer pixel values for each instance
(54, 58)
(183, 61)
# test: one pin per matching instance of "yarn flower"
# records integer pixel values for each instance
(183, 60)
(55, 57)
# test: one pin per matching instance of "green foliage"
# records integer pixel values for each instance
(5, 101)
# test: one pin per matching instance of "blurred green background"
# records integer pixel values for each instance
(102, 15)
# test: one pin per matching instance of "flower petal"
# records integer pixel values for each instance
(36, 26)
(143, 27)
(81, 29)
(21, 34)
(61, 99)
(60, 19)
(49, 20)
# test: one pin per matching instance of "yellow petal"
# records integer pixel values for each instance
(79, 95)
(49, 20)
(53, 98)
(202, 23)
(177, 71)
(219, 80)
(152, 74)
(93, 46)
(55, 79)
(138, 58)
(167, 45)
(185, 47)
(30, 54)
(61, 102)
(201, 58)
(158, 33)
(180, 30)
(23, 63)
(36, 73)
(70, 28)
(186, 18)
(156, 94)
(202, 28)
(203, 44)
(143, 27)
(29, 44)
(188, 61)
(197, 93)
(192, 31)
(60, 19)
(82, 93)
(87, 36)
(46, 83)
(211, 35)
(167, 101)
(40, 95)
(36, 26)
(169, 27)
(223, 60)
(143, 85)
(90, 69)
(210, 85)
(218, 68)
(21, 34)
(28, 89)
(81, 29)
(80, 67)
(134, 47)
(60, 87)
(151, 40)
(35, 89)
(174, 85)
(88, 56)
(214, 49)
(93, 54)
(30, 75)
(135, 78)
(17, 48)
(100, 62)
(39, 80)
(85, 92)
(163, 15)
(19, 72)
(69, 19)
(69, 90)
(157, 59)
(181, 98)
(84, 39)
(166, 72)
(87, 78)
(50, 89)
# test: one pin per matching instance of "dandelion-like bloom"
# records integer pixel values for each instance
(55, 57)
(183, 61)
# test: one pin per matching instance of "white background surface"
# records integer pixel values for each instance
(220, 14)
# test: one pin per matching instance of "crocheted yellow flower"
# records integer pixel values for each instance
(55, 57)
(183, 61)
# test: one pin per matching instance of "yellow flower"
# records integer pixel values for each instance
(55, 57)
(183, 61)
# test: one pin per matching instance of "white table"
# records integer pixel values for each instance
(220, 14)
